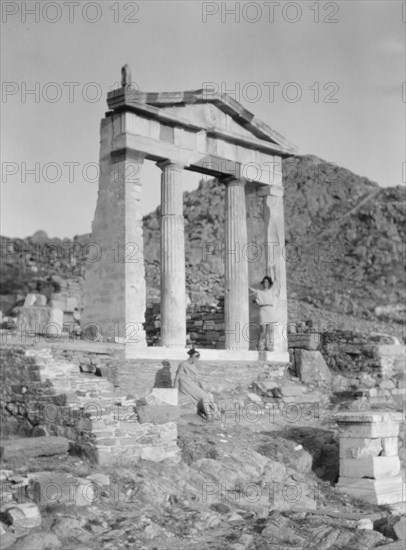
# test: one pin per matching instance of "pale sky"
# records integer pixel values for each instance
(343, 62)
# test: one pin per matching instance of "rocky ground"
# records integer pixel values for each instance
(260, 479)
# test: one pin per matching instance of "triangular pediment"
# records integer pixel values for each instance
(214, 113)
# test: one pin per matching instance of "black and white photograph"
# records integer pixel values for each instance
(203, 275)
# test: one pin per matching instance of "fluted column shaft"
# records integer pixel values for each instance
(173, 299)
(236, 268)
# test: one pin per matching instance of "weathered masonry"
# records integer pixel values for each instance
(207, 133)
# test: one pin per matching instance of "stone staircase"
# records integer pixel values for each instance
(93, 415)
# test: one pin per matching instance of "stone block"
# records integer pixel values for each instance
(25, 515)
(163, 396)
(375, 491)
(377, 467)
(71, 304)
(41, 320)
(35, 446)
(357, 447)
(58, 304)
(311, 367)
(30, 300)
(53, 488)
(366, 380)
(390, 446)
(387, 385)
(370, 430)
(309, 341)
(157, 414)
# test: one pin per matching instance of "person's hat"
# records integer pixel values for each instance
(193, 351)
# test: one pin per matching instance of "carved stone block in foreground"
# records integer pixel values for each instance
(369, 464)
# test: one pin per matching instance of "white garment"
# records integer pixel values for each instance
(266, 301)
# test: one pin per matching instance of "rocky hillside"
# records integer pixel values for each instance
(345, 252)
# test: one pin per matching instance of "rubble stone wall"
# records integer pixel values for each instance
(44, 392)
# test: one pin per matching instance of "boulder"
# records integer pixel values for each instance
(311, 367)
(25, 515)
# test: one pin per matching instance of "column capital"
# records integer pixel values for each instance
(173, 165)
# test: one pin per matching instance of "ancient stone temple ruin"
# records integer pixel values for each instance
(202, 132)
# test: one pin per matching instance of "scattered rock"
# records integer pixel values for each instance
(39, 541)
(367, 380)
(340, 383)
(220, 508)
(365, 524)
(291, 390)
(100, 479)
(387, 385)
(255, 398)
(6, 474)
(246, 540)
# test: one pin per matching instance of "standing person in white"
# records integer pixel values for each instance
(266, 301)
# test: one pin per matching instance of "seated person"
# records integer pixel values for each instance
(186, 380)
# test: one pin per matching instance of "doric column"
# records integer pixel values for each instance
(275, 261)
(173, 300)
(236, 268)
